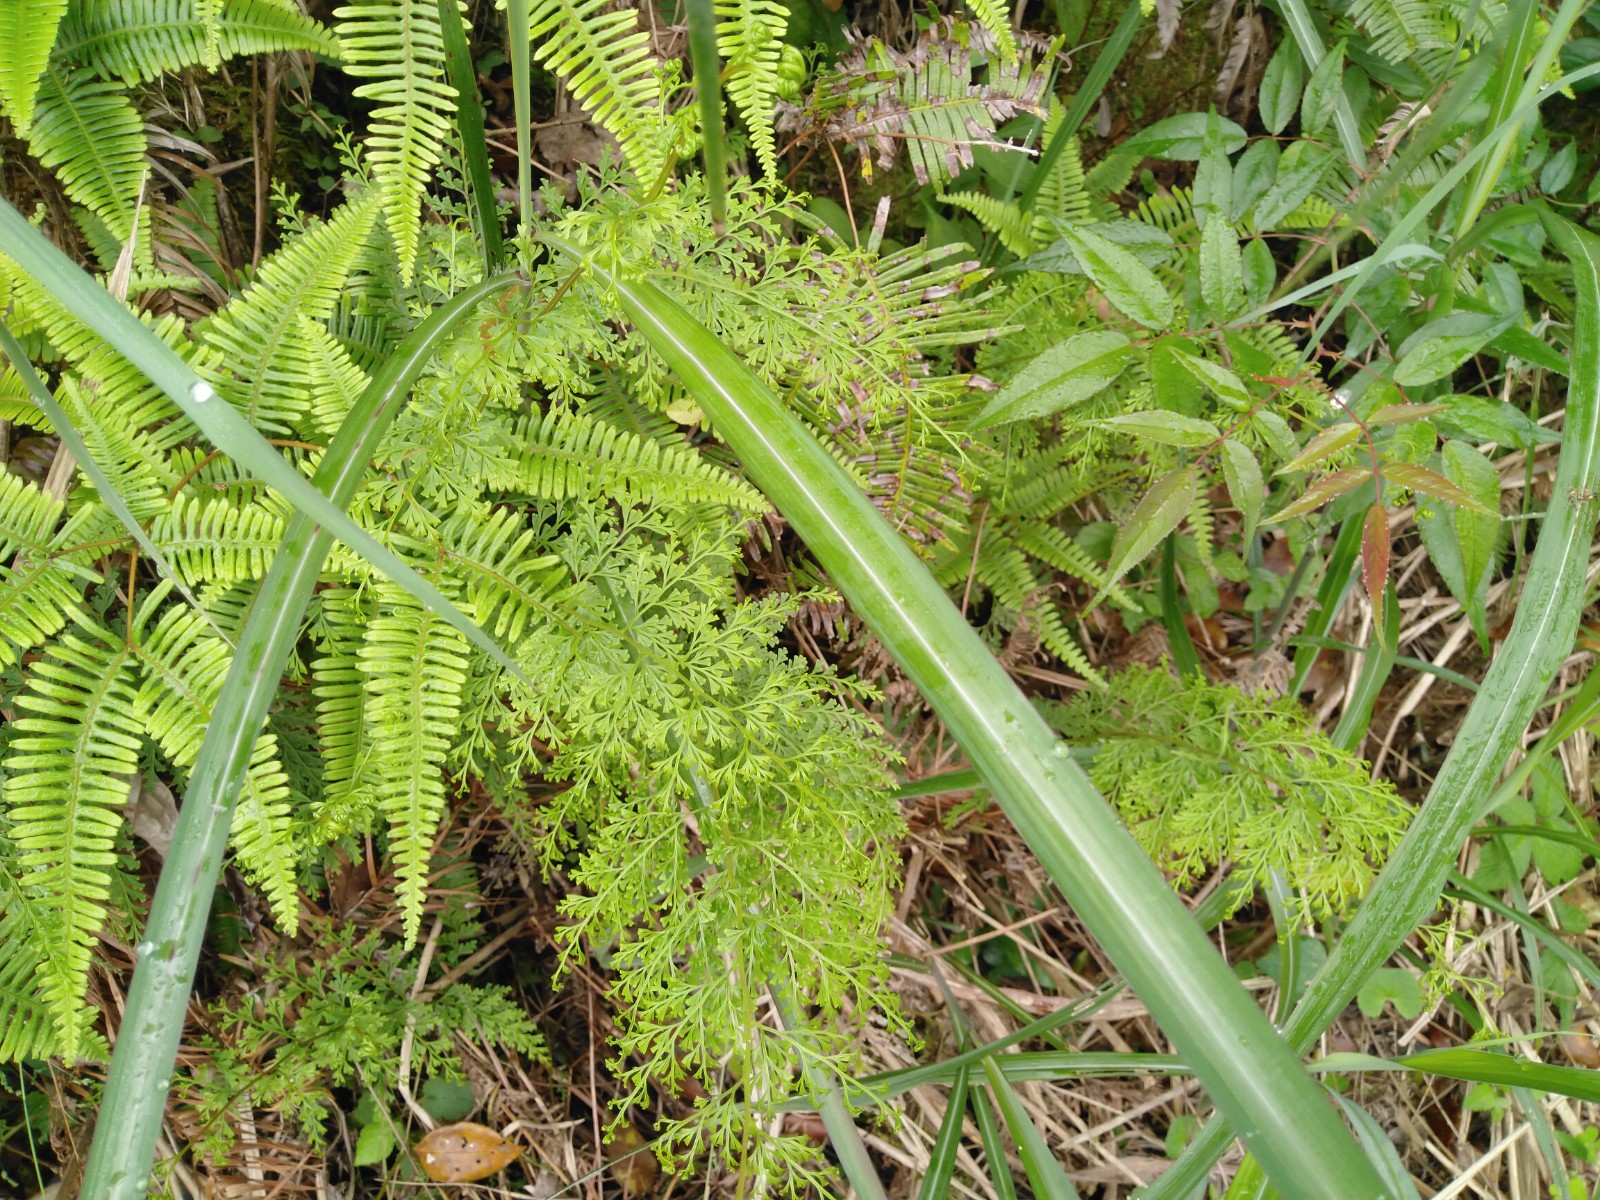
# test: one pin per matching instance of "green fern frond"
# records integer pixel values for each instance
(43, 587)
(138, 41)
(750, 39)
(565, 454)
(399, 44)
(1055, 549)
(1003, 218)
(212, 539)
(342, 734)
(67, 769)
(333, 377)
(28, 30)
(994, 16)
(260, 335)
(1400, 28)
(414, 666)
(86, 131)
(604, 55)
(505, 585)
(183, 664)
(27, 1029)
(1004, 570)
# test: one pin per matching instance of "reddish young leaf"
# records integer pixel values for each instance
(464, 1152)
(1325, 445)
(1323, 490)
(1431, 483)
(1375, 560)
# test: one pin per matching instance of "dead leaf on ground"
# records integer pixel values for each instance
(464, 1152)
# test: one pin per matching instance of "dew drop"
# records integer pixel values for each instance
(146, 949)
(1062, 750)
(201, 392)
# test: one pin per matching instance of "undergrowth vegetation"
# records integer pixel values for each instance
(593, 772)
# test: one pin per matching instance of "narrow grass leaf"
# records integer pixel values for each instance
(1049, 1181)
(942, 1158)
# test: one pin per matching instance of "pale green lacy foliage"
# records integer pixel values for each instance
(1205, 774)
(669, 708)
(332, 1013)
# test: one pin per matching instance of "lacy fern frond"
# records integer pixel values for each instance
(603, 54)
(182, 667)
(137, 41)
(1016, 230)
(265, 365)
(399, 45)
(1004, 569)
(413, 666)
(750, 40)
(28, 30)
(67, 770)
(1204, 773)
(85, 130)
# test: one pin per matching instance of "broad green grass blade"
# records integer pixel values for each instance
(518, 26)
(1049, 1181)
(220, 422)
(147, 1044)
(469, 127)
(942, 1162)
(708, 95)
(1541, 635)
(1120, 895)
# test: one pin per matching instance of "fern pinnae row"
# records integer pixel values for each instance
(136, 1090)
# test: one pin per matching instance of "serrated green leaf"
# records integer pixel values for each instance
(1439, 347)
(1327, 488)
(1242, 473)
(1130, 285)
(1462, 542)
(1065, 374)
(1483, 420)
(1431, 483)
(1281, 85)
(1253, 175)
(1213, 179)
(1322, 92)
(1221, 269)
(1299, 171)
(1168, 428)
(1149, 245)
(1325, 445)
(1182, 138)
(1165, 505)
